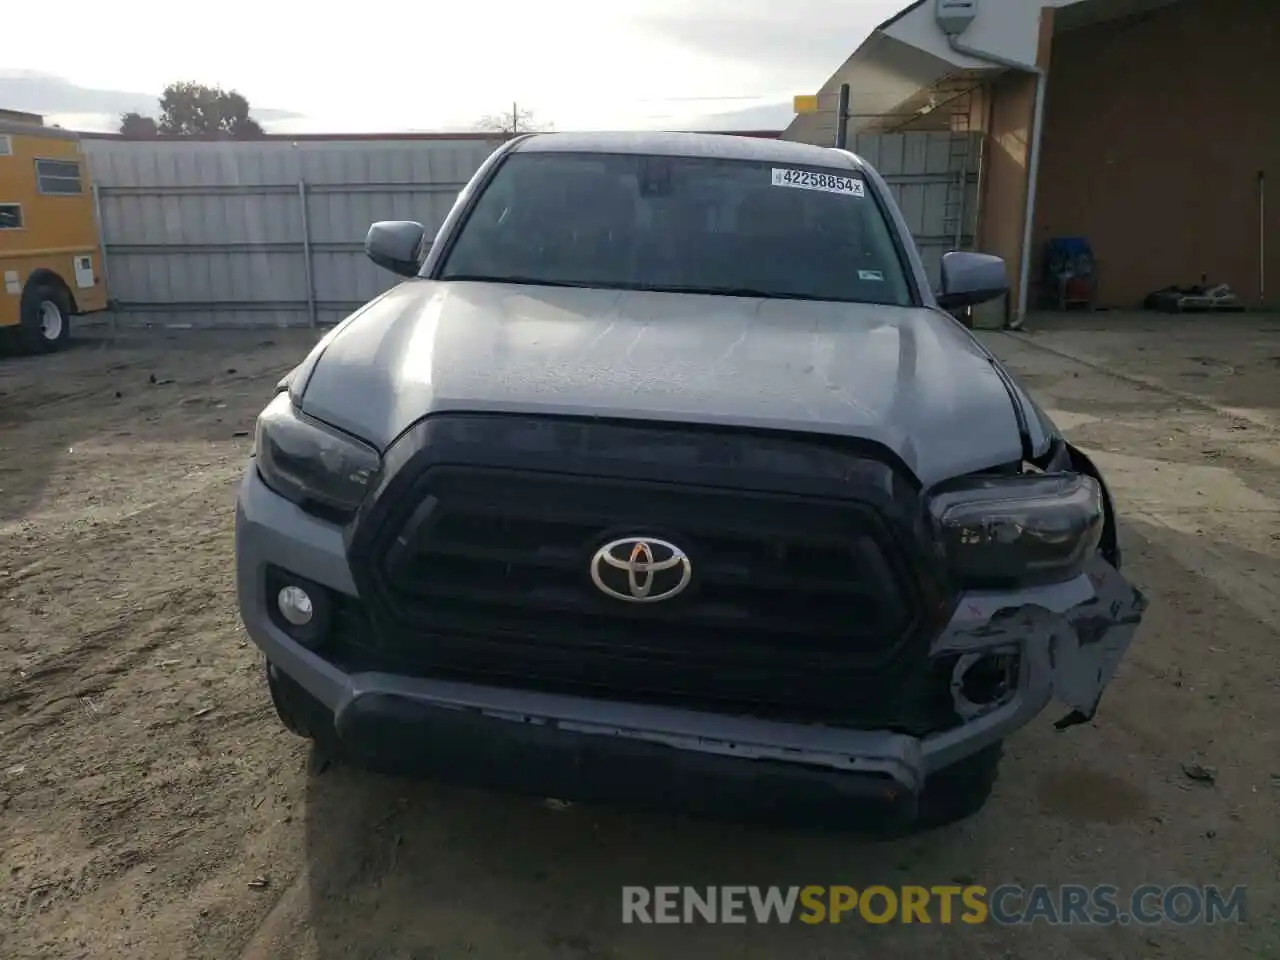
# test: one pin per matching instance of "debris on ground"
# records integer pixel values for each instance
(1200, 773)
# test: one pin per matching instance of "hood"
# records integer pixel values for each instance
(908, 378)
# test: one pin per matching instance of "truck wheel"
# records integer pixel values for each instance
(961, 790)
(299, 711)
(46, 317)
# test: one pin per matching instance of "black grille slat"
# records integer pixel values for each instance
(617, 649)
(802, 605)
(704, 624)
(684, 626)
(451, 570)
(561, 558)
(586, 502)
(569, 558)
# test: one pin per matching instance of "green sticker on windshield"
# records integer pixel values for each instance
(870, 275)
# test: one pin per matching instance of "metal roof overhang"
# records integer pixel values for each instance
(890, 83)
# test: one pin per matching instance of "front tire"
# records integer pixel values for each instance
(46, 318)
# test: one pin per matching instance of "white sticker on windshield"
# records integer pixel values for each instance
(826, 182)
(870, 275)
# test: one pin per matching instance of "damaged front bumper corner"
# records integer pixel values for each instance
(1067, 639)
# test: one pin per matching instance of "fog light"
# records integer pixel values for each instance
(295, 605)
(302, 609)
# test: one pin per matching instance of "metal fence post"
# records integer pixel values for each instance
(842, 118)
(102, 252)
(306, 253)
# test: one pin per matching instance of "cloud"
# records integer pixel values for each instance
(786, 44)
(766, 116)
(61, 101)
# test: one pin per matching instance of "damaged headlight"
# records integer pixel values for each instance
(316, 467)
(1018, 531)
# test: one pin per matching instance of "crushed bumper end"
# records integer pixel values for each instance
(1075, 634)
(406, 734)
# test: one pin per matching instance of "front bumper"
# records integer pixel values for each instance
(1069, 639)
(538, 746)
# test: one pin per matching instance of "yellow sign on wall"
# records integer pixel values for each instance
(805, 103)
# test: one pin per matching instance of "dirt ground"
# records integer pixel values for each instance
(151, 806)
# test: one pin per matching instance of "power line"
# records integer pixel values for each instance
(770, 97)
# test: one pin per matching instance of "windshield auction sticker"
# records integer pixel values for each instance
(826, 182)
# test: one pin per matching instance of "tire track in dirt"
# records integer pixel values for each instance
(176, 779)
(122, 813)
(143, 783)
(86, 668)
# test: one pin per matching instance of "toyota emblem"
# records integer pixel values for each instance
(641, 570)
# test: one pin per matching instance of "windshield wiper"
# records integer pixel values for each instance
(752, 292)
(516, 278)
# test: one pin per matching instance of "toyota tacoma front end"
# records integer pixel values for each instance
(666, 479)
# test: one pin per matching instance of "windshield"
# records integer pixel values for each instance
(686, 224)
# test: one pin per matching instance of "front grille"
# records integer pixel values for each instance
(800, 607)
(498, 552)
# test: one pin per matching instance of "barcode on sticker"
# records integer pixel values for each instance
(826, 182)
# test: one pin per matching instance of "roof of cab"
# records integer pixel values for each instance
(659, 144)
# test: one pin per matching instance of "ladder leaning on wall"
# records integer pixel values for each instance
(964, 160)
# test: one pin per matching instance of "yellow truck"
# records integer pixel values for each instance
(50, 251)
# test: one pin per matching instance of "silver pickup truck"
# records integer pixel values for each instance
(667, 478)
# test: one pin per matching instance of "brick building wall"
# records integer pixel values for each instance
(1156, 130)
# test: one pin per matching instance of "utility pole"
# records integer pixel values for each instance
(842, 118)
(515, 119)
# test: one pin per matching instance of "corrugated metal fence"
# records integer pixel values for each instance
(934, 178)
(262, 234)
(272, 233)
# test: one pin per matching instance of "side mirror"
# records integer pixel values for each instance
(396, 245)
(971, 278)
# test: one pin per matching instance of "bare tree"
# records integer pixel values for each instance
(516, 120)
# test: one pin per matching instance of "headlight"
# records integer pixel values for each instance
(1024, 530)
(311, 464)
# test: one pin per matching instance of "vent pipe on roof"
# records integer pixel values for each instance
(953, 18)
